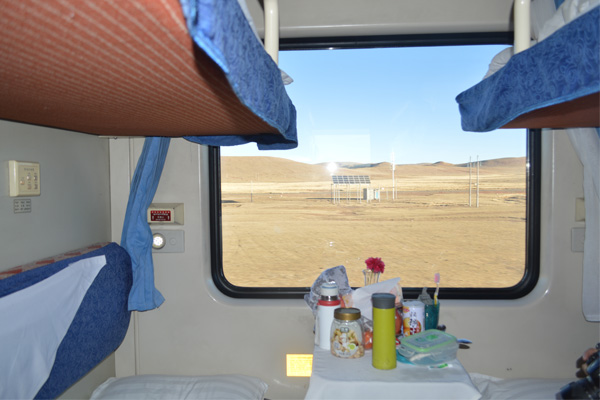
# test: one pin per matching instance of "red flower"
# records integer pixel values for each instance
(375, 264)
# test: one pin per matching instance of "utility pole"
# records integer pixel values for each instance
(477, 181)
(393, 178)
(469, 181)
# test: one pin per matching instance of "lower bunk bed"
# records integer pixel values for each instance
(62, 316)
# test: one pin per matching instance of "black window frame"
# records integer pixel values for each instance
(533, 182)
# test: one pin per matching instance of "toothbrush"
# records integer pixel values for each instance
(437, 289)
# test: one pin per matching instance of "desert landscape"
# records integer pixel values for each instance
(284, 222)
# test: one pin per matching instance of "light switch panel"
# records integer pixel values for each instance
(24, 178)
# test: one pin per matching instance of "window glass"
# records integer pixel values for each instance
(383, 169)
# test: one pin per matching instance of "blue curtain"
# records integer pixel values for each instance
(137, 235)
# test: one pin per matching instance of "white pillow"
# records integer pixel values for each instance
(182, 387)
(541, 11)
(567, 12)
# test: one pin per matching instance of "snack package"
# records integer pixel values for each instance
(335, 274)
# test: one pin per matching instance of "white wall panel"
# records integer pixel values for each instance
(73, 209)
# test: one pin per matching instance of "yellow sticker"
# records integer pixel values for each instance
(298, 364)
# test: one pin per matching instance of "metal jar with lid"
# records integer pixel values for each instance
(347, 333)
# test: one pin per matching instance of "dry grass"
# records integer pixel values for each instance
(280, 227)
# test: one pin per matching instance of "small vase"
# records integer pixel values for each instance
(370, 276)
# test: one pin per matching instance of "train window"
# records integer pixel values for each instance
(383, 169)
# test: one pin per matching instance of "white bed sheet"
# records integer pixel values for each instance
(493, 388)
(160, 387)
(33, 322)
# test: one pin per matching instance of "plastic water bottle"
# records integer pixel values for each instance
(384, 330)
(327, 304)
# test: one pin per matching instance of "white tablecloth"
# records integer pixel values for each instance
(336, 378)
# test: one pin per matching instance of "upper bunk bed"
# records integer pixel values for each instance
(169, 68)
(553, 84)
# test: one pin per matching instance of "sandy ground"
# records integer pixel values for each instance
(281, 227)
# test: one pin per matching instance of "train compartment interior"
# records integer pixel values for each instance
(124, 106)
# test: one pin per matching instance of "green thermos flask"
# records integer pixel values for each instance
(384, 330)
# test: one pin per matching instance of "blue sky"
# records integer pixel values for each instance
(362, 105)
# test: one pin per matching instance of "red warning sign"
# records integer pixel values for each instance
(160, 215)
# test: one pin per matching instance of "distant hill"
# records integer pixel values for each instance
(274, 169)
(508, 162)
(270, 169)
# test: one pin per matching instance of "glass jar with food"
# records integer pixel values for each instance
(347, 333)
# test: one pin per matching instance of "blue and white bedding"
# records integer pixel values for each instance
(60, 320)
(560, 68)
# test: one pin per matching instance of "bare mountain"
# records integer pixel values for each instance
(274, 169)
(508, 162)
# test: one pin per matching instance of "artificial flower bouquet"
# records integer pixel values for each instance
(375, 267)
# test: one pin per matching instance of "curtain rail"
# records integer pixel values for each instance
(272, 29)
(522, 22)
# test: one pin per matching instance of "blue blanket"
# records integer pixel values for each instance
(220, 28)
(563, 67)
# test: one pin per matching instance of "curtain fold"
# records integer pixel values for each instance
(136, 237)
(586, 142)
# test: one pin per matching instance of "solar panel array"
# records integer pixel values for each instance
(351, 179)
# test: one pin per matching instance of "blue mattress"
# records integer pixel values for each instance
(561, 68)
(100, 323)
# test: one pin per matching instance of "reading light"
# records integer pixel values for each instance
(158, 241)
